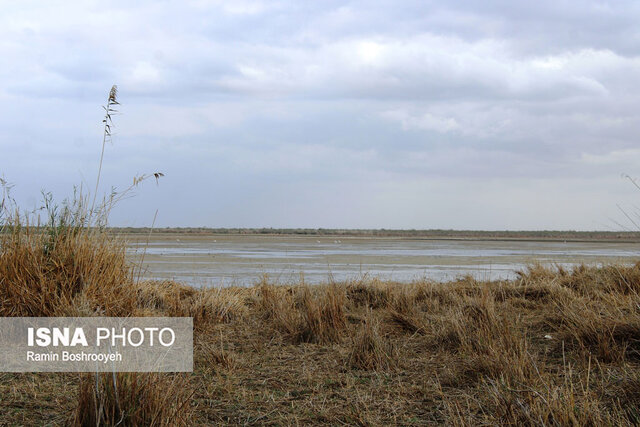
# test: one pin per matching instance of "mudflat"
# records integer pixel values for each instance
(243, 259)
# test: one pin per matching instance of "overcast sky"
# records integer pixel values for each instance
(361, 114)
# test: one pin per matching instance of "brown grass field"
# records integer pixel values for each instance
(553, 347)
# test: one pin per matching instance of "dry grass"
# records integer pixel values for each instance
(553, 347)
(323, 316)
(133, 399)
(303, 314)
(370, 350)
(67, 272)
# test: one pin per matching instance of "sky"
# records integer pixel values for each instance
(354, 114)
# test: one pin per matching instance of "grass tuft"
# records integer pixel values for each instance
(370, 350)
(133, 399)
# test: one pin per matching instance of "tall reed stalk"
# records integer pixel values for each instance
(112, 100)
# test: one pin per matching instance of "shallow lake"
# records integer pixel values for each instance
(226, 260)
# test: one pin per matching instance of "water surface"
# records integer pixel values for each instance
(226, 260)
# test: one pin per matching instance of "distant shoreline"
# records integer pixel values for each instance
(544, 235)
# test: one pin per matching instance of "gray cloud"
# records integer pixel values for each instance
(377, 114)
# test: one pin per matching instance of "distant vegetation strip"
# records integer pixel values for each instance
(445, 234)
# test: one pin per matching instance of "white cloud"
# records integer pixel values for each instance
(236, 7)
(621, 158)
(144, 73)
(369, 52)
(425, 121)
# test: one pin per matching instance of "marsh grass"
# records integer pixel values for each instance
(63, 274)
(303, 313)
(323, 314)
(70, 265)
(552, 348)
(133, 399)
(370, 349)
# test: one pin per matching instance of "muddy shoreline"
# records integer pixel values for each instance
(228, 259)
